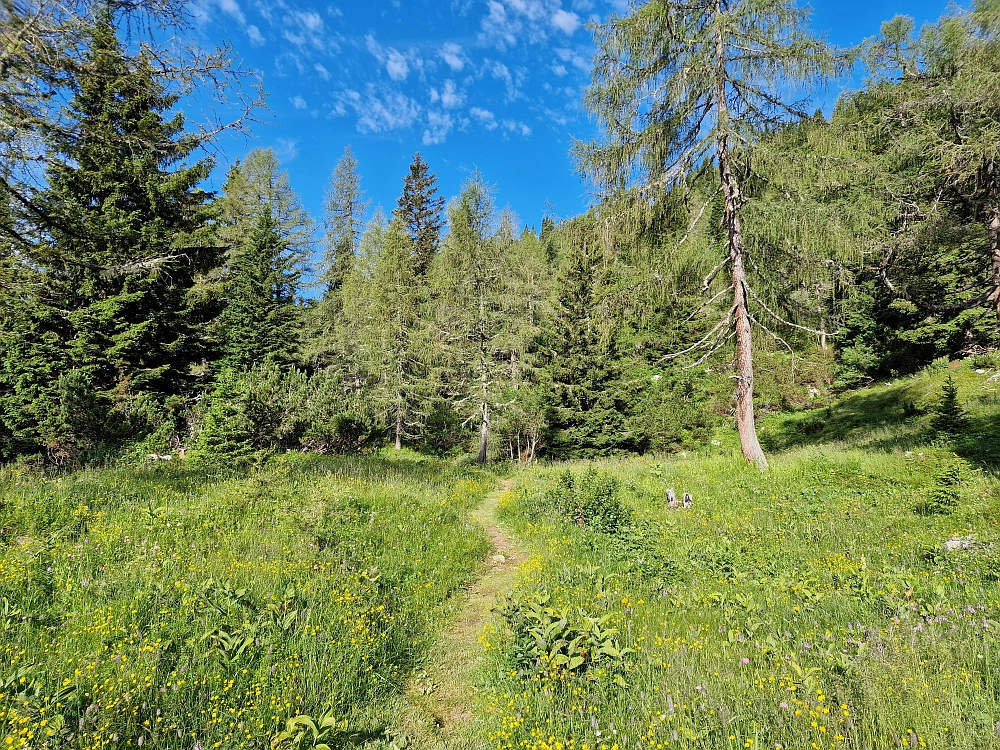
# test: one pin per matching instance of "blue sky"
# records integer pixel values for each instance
(493, 84)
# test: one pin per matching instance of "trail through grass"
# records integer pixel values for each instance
(441, 694)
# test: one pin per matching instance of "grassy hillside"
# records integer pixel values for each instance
(810, 607)
(169, 608)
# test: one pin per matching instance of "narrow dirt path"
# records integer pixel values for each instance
(440, 697)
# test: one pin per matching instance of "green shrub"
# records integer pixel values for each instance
(589, 500)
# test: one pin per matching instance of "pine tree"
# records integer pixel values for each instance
(260, 321)
(712, 75)
(420, 209)
(125, 232)
(345, 217)
(589, 400)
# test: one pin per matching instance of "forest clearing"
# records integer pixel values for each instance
(327, 601)
(311, 441)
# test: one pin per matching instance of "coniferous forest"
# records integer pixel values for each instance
(711, 465)
(734, 238)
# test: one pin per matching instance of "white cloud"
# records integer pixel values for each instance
(574, 58)
(395, 62)
(518, 128)
(286, 149)
(439, 124)
(323, 72)
(379, 109)
(232, 9)
(565, 21)
(559, 70)
(449, 96)
(497, 28)
(298, 102)
(256, 38)
(396, 66)
(305, 28)
(487, 118)
(451, 53)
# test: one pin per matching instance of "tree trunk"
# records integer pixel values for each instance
(745, 422)
(993, 230)
(399, 430)
(484, 433)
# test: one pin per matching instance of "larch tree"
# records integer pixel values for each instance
(383, 309)
(932, 122)
(345, 206)
(469, 282)
(421, 210)
(255, 182)
(679, 86)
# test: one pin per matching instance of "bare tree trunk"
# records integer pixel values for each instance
(484, 433)
(745, 422)
(993, 231)
(993, 228)
(399, 429)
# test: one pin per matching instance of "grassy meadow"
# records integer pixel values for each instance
(809, 607)
(287, 607)
(167, 607)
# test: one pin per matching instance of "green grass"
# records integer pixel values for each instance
(809, 607)
(813, 606)
(167, 607)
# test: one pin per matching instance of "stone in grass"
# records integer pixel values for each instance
(954, 545)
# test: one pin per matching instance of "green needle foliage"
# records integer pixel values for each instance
(681, 86)
(420, 208)
(127, 222)
(260, 322)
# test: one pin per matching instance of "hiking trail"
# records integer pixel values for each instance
(440, 696)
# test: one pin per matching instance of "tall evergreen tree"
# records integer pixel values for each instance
(469, 282)
(260, 321)
(589, 399)
(931, 122)
(420, 209)
(345, 217)
(126, 223)
(251, 184)
(680, 84)
(383, 308)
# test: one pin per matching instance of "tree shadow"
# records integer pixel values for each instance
(887, 419)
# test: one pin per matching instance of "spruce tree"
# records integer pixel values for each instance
(589, 400)
(420, 209)
(260, 320)
(125, 217)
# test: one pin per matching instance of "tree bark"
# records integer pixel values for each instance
(399, 430)
(484, 433)
(993, 231)
(993, 228)
(745, 422)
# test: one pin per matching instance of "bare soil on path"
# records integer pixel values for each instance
(440, 696)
